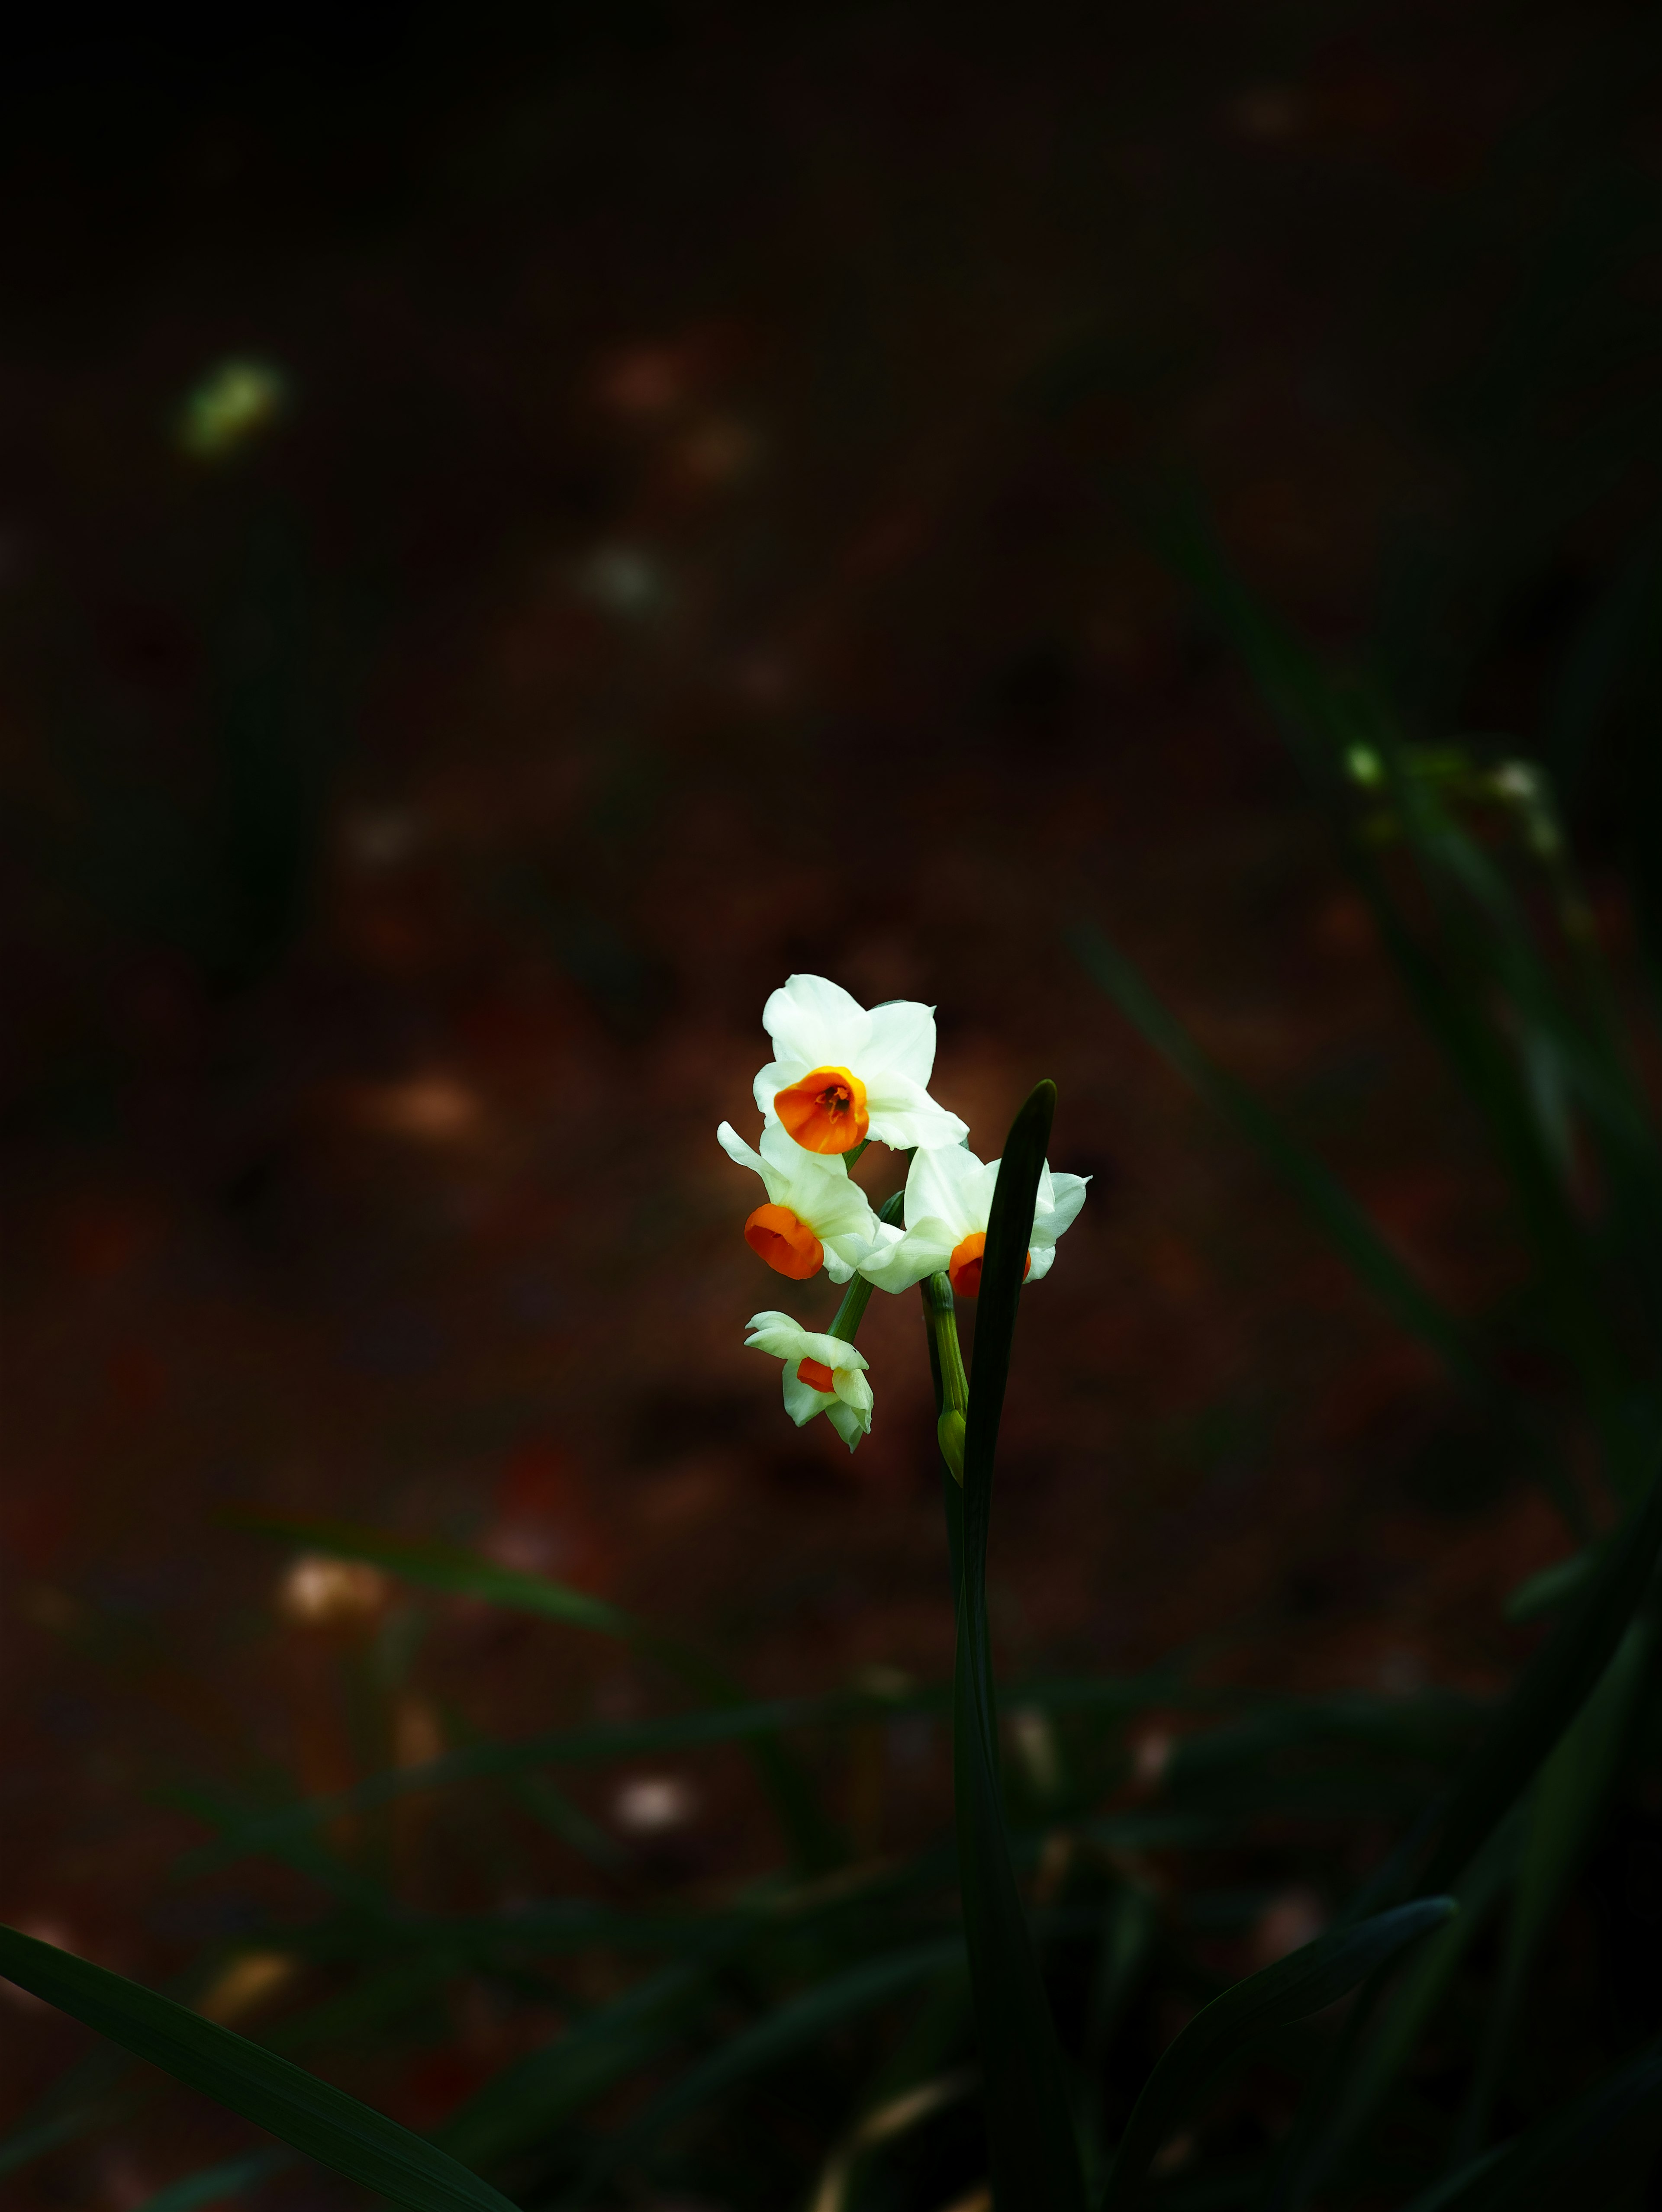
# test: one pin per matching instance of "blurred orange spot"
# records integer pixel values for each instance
(780, 1237)
(825, 1111)
(816, 1375)
(432, 1108)
(245, 1984)
(418, 1736)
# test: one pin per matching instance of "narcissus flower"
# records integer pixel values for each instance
(815, 1213)
(949, 1200)
(840, 1075)
(822, 1375)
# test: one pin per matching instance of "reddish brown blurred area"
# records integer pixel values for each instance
(692, 549)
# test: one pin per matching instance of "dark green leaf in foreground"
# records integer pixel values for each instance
(1292, 1989)
(1553, 1688)
(1344, 1222)
(1586, 2155)
(324, 2122)
(801, 2021)
(1030, 2131)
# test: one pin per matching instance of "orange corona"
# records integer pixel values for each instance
(825, 1111)
(816, 1375)
(963, 1268)
(785, 1241)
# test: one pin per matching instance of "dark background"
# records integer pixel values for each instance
(707, 535)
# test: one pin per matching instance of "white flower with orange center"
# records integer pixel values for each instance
(816, 1214)
(949, 1200)
(840, 1074)
(822, 1375)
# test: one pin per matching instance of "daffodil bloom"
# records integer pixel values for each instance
(822, 1375)
(949, 1200)
(816, 1213)
(840, 1075)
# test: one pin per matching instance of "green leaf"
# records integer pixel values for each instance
(462, 1573)
(1586, 2155)
(1565, 1806)
(34, 2140)
(214, 2183)
(1546, 1591)
(1336, 2116)
(1329, 1204)
(791, 2026)
(1553, 1688)
(1030, 2131)
(546, 2088)
(1291, 1990)
(323, 2122)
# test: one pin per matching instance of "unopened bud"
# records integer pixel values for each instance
(949, 1429)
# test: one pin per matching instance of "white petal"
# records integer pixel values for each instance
(1043, 1259)
(1068, 1196)
(848, 1424)
(815, 1023)
(903, 1115)
(775, 1333)
(854, 1389)
(922, 1251)
(741, 1155)
(902, 1040)
(802, 1400)
(939, 1186)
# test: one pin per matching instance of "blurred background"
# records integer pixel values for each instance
(518, 533)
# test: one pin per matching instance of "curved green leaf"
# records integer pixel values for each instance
(212, 2184)
(1586, 2155)
(798, 2021)
(1554, 1686)
(1030, 2131)
(311, 2115)
(1291, 1990)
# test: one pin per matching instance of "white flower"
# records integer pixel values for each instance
(840, 1074)
(823, 1374)
(949, 1200)
(815, 1212)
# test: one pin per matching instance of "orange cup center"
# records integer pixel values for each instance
(963, 1268)
(816, 1375)
(825, 1111)
(785, 1241)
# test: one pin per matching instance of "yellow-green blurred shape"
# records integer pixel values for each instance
(235, 403)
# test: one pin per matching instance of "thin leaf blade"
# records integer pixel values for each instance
(312, 2116)
(1032, 2147)
(1293, 1989)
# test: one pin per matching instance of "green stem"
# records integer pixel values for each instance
(858, 1295)
(953, 1388)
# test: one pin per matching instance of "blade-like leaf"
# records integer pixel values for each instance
(311, 2115)
(1564, 1808)
(1553, 1688)
(1030, 2131)
(1586, 2155)
(214, 2183)
(801, 2021)
(1331, 1205)
(1378, 2046)
(1291, 1990)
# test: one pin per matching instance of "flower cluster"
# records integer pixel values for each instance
(842, 1078)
